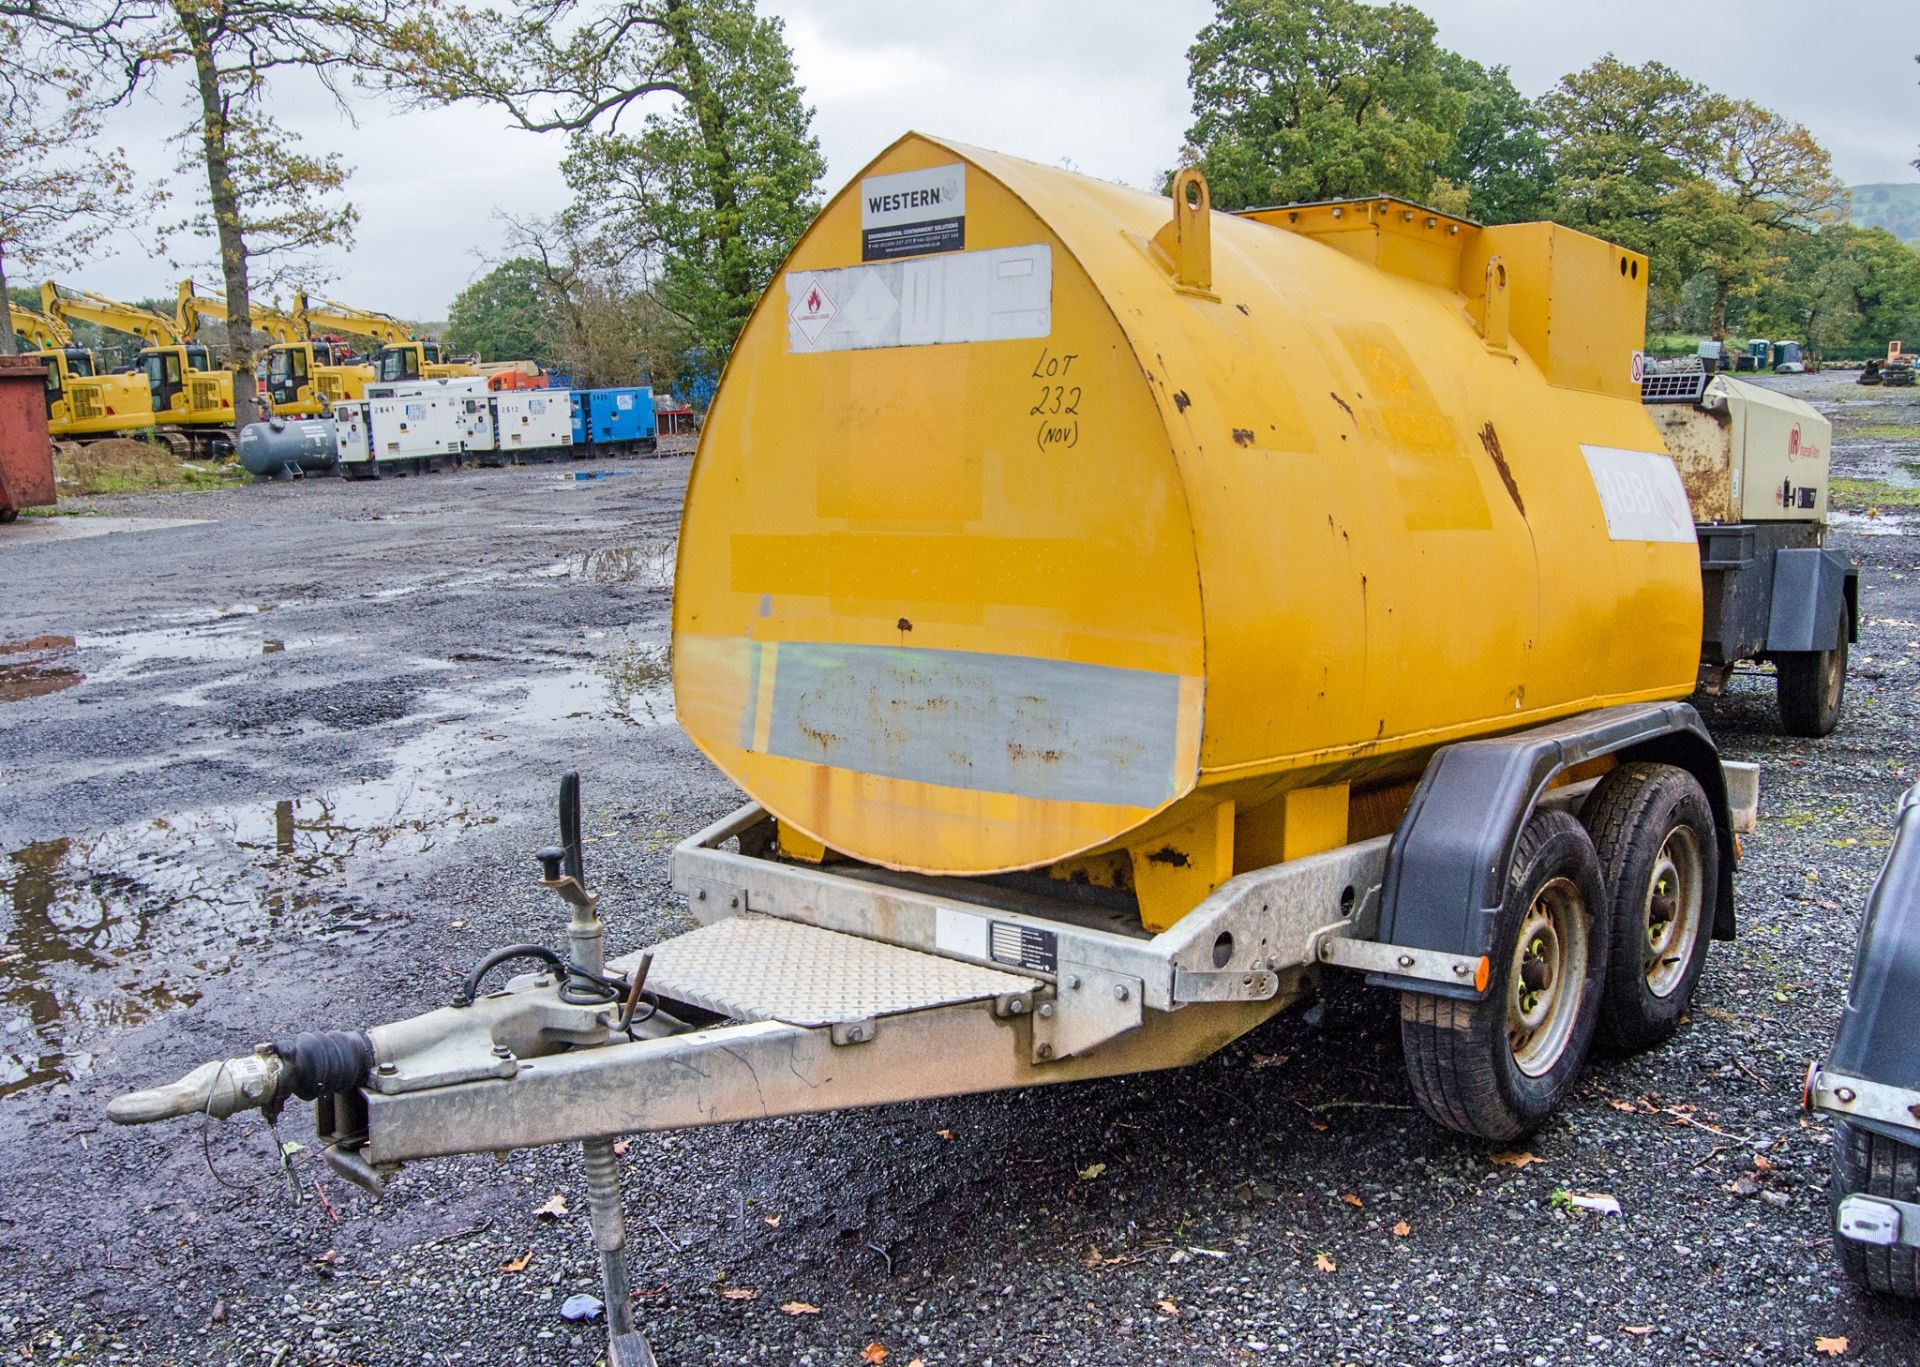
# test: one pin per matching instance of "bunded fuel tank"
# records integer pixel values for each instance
(280, 447)
(1043, 523)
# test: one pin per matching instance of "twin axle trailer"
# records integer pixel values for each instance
(1096, 686)
(418, 426)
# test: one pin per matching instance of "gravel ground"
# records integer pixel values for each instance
(289, 773)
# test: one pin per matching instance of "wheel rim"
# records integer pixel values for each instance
(1672, 910)
(1835, 670)
(1547, 977)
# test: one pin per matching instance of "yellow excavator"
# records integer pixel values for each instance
(186, 394)
(82, 403)
(304, 377)
(403, 354)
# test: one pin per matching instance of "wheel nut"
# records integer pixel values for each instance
(1844, 1093)
(1046, 1011)
(1043, 1051)
(1120, 992)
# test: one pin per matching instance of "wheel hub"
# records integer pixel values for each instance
(1675, 902)
(1549, 968)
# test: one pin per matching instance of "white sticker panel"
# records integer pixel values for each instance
(1641, 494)
(961, 934)
(990, 296)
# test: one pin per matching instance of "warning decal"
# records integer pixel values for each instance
(913, 213)
(812, 310)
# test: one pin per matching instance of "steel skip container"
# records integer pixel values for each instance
(1042, 522)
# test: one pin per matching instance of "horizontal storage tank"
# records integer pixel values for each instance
(1043, 523)
(280, 448)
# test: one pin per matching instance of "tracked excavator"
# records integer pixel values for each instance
(83, 404)
(191, 402)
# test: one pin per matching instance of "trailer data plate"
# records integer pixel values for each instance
(760, 968)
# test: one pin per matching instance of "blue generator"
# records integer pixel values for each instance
(619, 421)
(577, 400)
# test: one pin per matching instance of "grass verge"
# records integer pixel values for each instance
(125, 465)
(1863, 494)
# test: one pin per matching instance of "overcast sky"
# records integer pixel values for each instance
(1102, 84)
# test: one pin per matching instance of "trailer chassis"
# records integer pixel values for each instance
(817, 988)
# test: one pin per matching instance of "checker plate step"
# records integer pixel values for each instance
(760, 968)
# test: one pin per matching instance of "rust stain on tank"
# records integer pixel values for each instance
(1243, 436)
(1018, 752)
(1180, 400)
(1491, 440)
(1167, 854)
(1345, 407)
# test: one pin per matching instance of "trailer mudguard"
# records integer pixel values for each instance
(1814, 593)
(1448, 862)
(1875, 1042)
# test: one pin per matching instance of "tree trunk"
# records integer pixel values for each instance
(226, 216)
(7, 347)
(1717, 324)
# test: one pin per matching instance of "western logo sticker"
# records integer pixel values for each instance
(913, 213)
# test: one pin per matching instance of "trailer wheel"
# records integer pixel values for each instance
(1811, 685)
(1868, 1163)
(1497, 1067)
(1653, 829)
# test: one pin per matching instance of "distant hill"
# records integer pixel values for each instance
(1893, 207)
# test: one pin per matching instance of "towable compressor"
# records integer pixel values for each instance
(1163, 610)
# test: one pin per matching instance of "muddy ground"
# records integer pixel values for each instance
(276, 757)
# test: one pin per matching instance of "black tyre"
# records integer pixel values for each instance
(1653, 830)
(8, 514)
(1868, 1163)
(1811, 685)
(1497, 1067)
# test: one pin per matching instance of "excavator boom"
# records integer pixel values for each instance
(68, 304)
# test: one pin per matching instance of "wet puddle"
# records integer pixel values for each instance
(36, 667)
(649, 564)
(110, 930)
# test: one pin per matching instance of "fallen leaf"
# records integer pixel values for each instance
(917, 1362)
(1319, 1125)
(799, 1308)
(1259, 1061)
(1353, 1201)
(1091, 1171)
(874, 1353)
(738, 1293)
(1620, 1105)
(944, 1134)
(518, 1264)
(456, 925)
(1324, 1263)
(1513, 1158)
(555, 1207)
(1744, 1185)
(1762, 1163)
(332, 1255)
(1169, 1308)
(1402, 1229)
(1637, 1330)
(620, 1147)
(1599, 1202)
(1832, 1347)
(773, 1220)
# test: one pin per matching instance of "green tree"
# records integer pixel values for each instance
(721, 175)
(1319, 99)
(265, 197)
(1499, 155)
(61, 190)
(504, 315)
